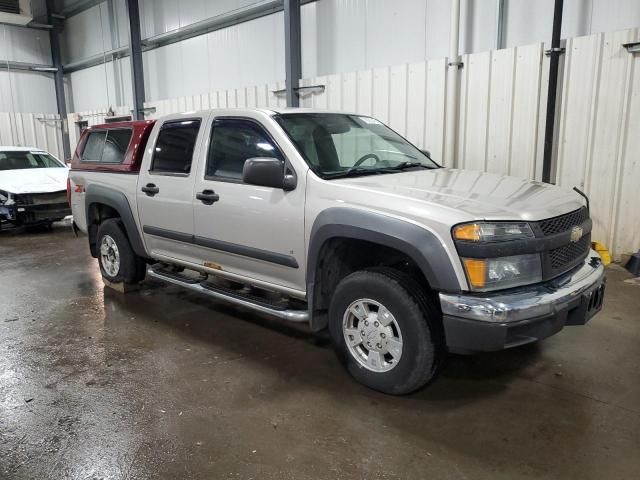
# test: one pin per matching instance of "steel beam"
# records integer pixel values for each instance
(499, 24)
(292, 51)
(135, 47)
(98, 59)
(56, 59)
(554, 63)
(29, 67)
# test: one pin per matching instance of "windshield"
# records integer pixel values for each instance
(337, 145)
(20, 160)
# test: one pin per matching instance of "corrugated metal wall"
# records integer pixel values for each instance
(599, 137)
(39, 130)
(501, 111)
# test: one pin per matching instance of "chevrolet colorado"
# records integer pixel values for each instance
(335, 220)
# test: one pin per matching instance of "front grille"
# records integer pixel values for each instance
(563, 256)
(562, 223)
(41, 198)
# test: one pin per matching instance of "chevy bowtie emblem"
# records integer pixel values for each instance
(576, 234)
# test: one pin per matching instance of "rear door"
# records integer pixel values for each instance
(165, 187)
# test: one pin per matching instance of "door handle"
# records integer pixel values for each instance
(150, 189)
(208, 197)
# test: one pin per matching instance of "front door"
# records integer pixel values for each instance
(246, 230)
(165, 188)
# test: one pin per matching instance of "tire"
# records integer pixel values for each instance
(415, 324)
(118, 262)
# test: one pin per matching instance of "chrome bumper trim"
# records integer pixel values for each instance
(525, 302)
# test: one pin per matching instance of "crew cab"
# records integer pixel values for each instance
(32, 187)
(334, 220)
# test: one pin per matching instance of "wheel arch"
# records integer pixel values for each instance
(419, 245)
(102, 203)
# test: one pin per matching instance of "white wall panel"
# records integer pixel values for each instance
(98, 29)
(100, 87)
(40, 130)
(246, 54)
(499, 116)
(23, 91)
(598, 140)
(350, 35)
(22, 44)
(161, 16)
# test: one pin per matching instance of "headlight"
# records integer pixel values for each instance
(492, 232)
(486, 274)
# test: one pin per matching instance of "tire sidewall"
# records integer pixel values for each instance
(126, 272)
(418, 358)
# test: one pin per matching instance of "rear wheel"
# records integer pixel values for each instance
(118, 262)
(386, 330)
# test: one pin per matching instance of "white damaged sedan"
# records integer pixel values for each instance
(33, 187)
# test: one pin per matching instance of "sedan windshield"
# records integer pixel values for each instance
(338, 145)
(20, 160)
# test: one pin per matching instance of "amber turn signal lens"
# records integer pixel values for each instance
(476, 271)
(470, 231)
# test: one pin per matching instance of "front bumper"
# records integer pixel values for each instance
(29, 209)
(499, 320)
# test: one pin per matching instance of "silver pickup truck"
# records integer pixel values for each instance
(334, 220)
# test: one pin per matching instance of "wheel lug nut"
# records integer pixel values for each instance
(366, 324)
(375, 324)
(382, 335)
(368, 344)
(362, 332)
(378, 345)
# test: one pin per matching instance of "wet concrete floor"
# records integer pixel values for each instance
(165, 384)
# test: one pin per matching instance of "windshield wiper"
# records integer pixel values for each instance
(354, 172)
(403, 165)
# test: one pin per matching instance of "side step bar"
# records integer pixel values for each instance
(298, 316)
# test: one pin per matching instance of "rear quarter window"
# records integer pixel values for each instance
(107, 146)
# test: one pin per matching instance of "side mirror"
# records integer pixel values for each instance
(267, 172)
(427, 153)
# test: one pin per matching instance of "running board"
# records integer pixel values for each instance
(252, 303)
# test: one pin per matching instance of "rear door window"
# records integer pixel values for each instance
(173, 152)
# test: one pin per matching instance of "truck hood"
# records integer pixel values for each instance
(483, 196)
(34, 180)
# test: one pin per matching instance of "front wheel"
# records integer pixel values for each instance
(386, 330)
(118, 262)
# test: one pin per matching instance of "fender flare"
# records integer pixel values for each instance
(420, 244)
(119, 202)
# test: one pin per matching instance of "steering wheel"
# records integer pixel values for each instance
(366, 157)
